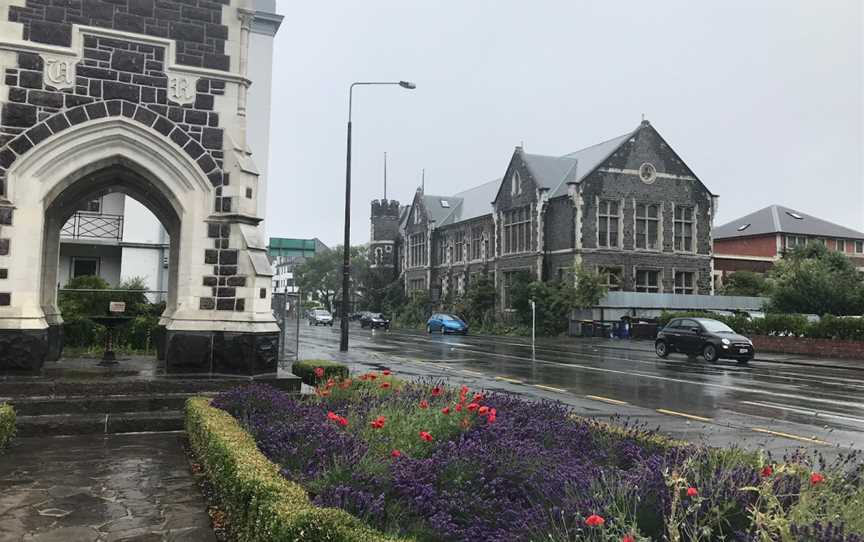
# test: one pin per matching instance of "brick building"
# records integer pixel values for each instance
(755, 241)
(628, 208)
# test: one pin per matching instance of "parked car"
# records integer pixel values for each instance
(704, 337)
(374, 320)
(320, 317)
(446, 323)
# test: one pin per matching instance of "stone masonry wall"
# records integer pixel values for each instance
(195, 25)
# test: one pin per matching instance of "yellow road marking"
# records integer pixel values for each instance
(511, 380)
(607, 400)
(550, 388)
(471, 372)
(683, 415)
(789, 436)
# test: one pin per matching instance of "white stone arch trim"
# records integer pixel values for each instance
(37, 178)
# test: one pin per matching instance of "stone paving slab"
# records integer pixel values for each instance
(133, 488)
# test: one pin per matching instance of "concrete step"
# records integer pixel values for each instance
(40, 406)
(88, 424)
(12, 387)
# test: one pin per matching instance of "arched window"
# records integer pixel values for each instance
(516, 183)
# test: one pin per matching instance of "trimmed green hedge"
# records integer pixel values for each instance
(7, 424)
(306, 370)
(260, 503)
(796, 325)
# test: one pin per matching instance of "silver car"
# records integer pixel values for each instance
(320, 317)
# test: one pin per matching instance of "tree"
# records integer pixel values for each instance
(745, 283)
(321, 275)
(478, 302)
(590, 289)
(814, 280)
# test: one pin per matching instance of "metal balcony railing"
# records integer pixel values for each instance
(90, 226)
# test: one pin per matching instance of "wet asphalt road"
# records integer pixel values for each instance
(765, 406)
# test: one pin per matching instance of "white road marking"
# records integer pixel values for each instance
(814, 413)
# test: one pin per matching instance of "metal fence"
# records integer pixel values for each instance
(88, 226)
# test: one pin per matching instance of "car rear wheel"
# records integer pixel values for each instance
(442, 330)
(710, 353)
(661, 349)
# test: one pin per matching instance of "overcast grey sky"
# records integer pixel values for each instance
(762, 99)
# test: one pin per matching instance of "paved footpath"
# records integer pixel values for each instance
(132, 488)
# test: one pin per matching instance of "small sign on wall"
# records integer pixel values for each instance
(117, 306)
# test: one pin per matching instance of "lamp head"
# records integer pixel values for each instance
(407, 84)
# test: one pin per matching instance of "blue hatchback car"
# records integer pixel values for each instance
(446, 323)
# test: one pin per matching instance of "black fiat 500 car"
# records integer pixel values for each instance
(374, 320)
(704, 337)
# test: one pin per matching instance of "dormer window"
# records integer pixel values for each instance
(416, 215)
(445, 204)
(796, 216)
(515, 183)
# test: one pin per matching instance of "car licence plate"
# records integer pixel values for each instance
(742, 350)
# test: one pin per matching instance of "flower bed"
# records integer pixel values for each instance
(311, 371)
(434, 463)
(7, 424)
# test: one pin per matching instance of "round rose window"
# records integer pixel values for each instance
(647, 173)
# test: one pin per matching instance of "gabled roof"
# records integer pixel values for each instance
(780, 219)
(438, 207)
(474, 202)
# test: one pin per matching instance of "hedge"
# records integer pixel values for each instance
(796, 325)
(7, 424)
(260, 503)
(306, 370)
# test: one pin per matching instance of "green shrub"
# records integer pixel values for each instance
(306, 370)
(7, 424)
(260, 503)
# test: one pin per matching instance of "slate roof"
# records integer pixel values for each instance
(436, 210)
(780, 219)
(474, 202)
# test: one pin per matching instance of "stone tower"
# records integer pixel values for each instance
(383, 240)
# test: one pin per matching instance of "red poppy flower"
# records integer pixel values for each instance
(490, 419)
(385, 372)
(378, 422)
(473, 406)
(426, 436)
(436, 391)
(692, 492)
(322, 393)
(594, 520)
(766, 471)
(343, 421)
(319, 372)
(372, 376)
(424, 404)
(395, 453)
(345, 384)
(483, 410)
(445, 410)
(459, 407)
(332, 416)
(816, 478)
(384, 385)
(628, 538)
(463, 390)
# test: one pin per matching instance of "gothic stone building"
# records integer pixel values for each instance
(628, 208)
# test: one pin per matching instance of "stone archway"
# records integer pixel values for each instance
(218, 319)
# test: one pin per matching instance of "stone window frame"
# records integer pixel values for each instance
(516, 229)
(837, 243)
(416, 285)
(602, 270)
(659, 220)
(800, 241)
(683, 289)
(417, 250)
(476, 243)
(646, 288)
(683, 222)
(442, 249)
(619, 216)
(515, 183)
(458, 246)
(74, 259)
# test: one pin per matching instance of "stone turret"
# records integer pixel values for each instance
(384, 234)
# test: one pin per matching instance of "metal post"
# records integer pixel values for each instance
(533, 324)
(346, 248)
(297, 335)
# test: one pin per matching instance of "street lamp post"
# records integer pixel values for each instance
(346, 247)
